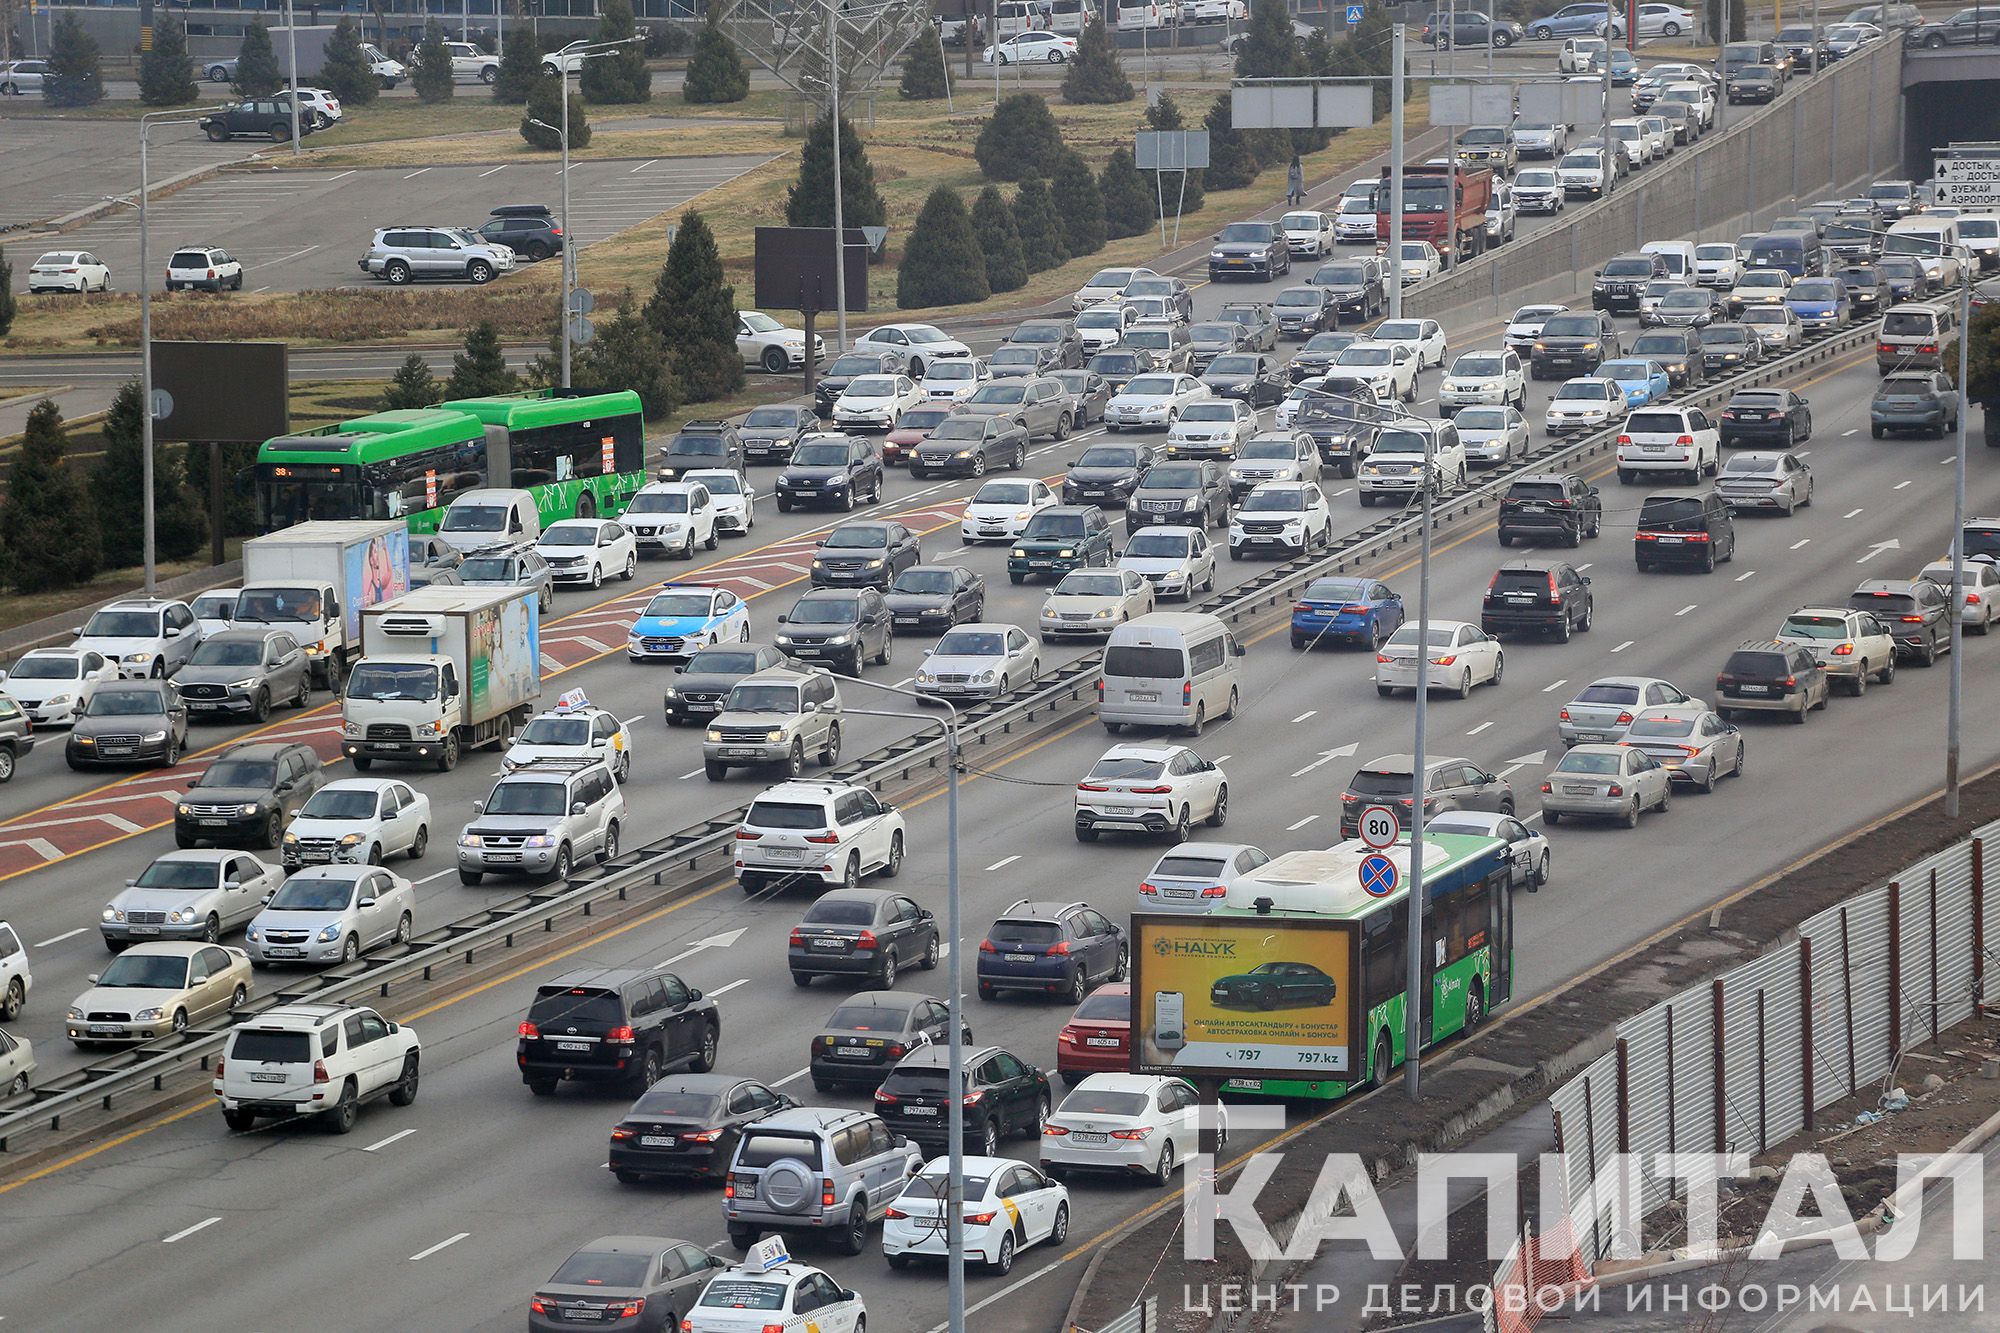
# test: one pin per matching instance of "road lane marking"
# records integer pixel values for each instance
(724, 990)
(1850, 513)
(693, 774)
(1745, 574)
(441, 1245)
(792, 1077)
(1484, 725)
(1584, 568)
(1856, 431)
(484, 174)
(58, 939)
(1689, 607)
(1623, 646)
(342, 176)
(1310, 712)
(1293, 828)
(1800, 542)
(1555, 684)
(412, 176)
(1001, 864)
(183, 1235)
(643, 165)
(267, 263)
(1899, 486)
(399, 1134)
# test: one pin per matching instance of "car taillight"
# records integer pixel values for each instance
(1060, 949)
(1215, 891)
(620, 1133)
(1149, 890)
(703, 1136)
(1684, 439)
(1697, 536)
(1547, 789)
(1972, 599)
(1354, 609)
(1100, 689)
(1091, 786)
(1643, 536)
(729, 1186)
(319, 1072)
(1913, 620)
(219, 1062)
(747, 836)
(1382, 657)
(886, 1098)
(979, 1219)
(528, 1030)
(865, 940)
(538, 1306)
(1844, 650)
(1187, 693)
(629, 1310)
(895, 1214)
(1446, 660)
(896, 1050)
(798, 938)
(1151, 791)
(1300, 608)
(555, 231)
(620, 1036)
(1884, 347)
(1132, 1135)
(1791, 681)
(1617, 790)
(987, 946)
(1690, 750)
(1563, 714)
(1554, 594)
(1053, 1131)
(1624, 719)
(1928, 349)
(823, 839)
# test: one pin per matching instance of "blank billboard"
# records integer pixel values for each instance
(223, 393)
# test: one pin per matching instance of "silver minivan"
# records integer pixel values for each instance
(1169, 669)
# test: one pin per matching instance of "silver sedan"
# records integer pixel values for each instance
(1604, 782)
(1694, 745)
(979, 661)
(1528, 853)
(1766, 479)
(1492, 434)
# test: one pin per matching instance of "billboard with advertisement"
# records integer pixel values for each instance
(1236, 996)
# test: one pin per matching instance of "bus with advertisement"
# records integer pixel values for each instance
(579, 454)
(1297, 986)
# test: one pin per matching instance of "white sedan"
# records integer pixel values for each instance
(1461, 656)
(1526, 326)
(1049, 47)
(1528, 854)
(1106, 285)
(914, 346)
(1492, 434)
(1132, 1124)
(999, 509)
(586, 550)
(1584, 403)
(1150, 787)
(875, 401)
(69, 271)
(1009, 1206)
(53, 684)
(1425, 337)
(734, 498)
(1390, 368)
(359, 821)
(1221, 425)
(1420, 260)
(765, 344)
(1153, 400)
(952, 381)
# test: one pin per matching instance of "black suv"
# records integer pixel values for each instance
(1765, 676)
(1251, 250)
(847, 368)
(1342, 427)
(1004, 1096)
(864, 1037)
(1623, 280)
(1059, 539)
(615, 1025)
(269, 782)
(1678, 350)
(527, 229)
(1191, 493)
(1916, 611)
(703, 444)
(1051, 948)
(866, 553)
(1544, 504)
(1537, 596)
(1694, 528)
(1104, 474)
(839, 628)
(842, 470)
(1575, 342)
(271, 116)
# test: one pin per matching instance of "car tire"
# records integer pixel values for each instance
(742, 1238)
(1551, 817)
(894, 865)
(542, 1087)
(240, 1121)
(1220, 815)
(13, 999)
(854, 1239)
(1629, 818)
(610, 847)
(404, 1093)
(340, 1120)
(471, 878)
(396, 272)
(1085, 833)
(479, 272)
(1163, 1167)
(274, 828)
(850, 878)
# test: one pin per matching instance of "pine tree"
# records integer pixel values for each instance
(694, 312)
(1096, 74)
(180, 523)
(627, 353)
(1232, 162)
(1129, 201)
(520, 66)
(430, 74)
(1020, 139)
(545, 105)
(1082, 205)
(9, 303)
(621, 79)
(715, 71)
(257, 73)
(942, 262)
(239, 506)
(48, 530)
(1039, 223)
(810, 202)
(1269, 51)
(1179, 196)
(999, 240)
(166, 73)
(1737, 19)
(413, 386)
(481, 369)
(924, 78)
(345, 70)
(74, 77)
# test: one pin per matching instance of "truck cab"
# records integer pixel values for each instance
(313, 580)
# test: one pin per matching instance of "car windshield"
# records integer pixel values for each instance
(1341, 275)
(1586, 391)
(1259, 232)
(1715, 252)
(1571, 326)
(1750, 465)
(923, 581)
(817, 454)
(1907, 270)
(1268, 499)
(951, 370)
(1116, 363)
(1209, 412)
(1629, 268)
(748, 698)
(1110, 277)
(1724, 335)
(1001, 395)
(850, 366)
(675, 605)
(146, 972)
(1482, 418)
(1104, 1005)
(1627, 370)
(603, 1268)
(1111, 456)
(240, 773)
(303, 893)
(1581, 161)
(125, 703)
(1174, 477)
(1364, 355)
(1153, 542)
(866, 1017)
(570, 534)
(1768, 315)
(1357, 204)
(1050, 525)
(784, 815)
(1002, 493)
(922, 418)
(1805, 626)
(835, 911)
(1537, 178)
(1589, 762)
(1903, 386)
(527, 798)
(1104, 317)
(1154, 286)
(122, 625)
(171, 873)
(1686, 299)
(721, 662)
(782, 417)
(343, 803)
(1624, 695)
(1151, 386)
(1128, 768)
(1080, 584)
(1304, 297)
(857, 538)
(1037, 333)
(1478, 363)
(1769, 277)
(1232, 365)
(872, 386)
(487, 569)
(1014, 356)
(1336, 590)
(701, 446)
(55, 667)
(658, 502)
(971, 643)
(1151, 340)
(673, 1104)
(1093, 1102)
(826, 611)
(961, 428)
(474, 518)
(551, 730)
(1278, 448)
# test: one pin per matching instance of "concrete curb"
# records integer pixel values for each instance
(170, 185)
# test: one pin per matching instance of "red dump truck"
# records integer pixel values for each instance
(1425, 189)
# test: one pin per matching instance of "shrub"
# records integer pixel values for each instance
(809, 203)
(1082, 205)
(74, 78)
(1096, 75)
(1020, 139)
(257, 73)
(621, 79)
(413, 386)
(694, 313)
(545, 106)
(180, 524)
(1232, 162)
(431, 74)
(1129, 201)
(942, 262)
(999, 240)
(924, 78)
(1039, 223)
(481, 369)
(48, 528)
(715, 72)
(520, 67)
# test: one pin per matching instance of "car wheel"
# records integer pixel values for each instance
(240, 1121)
(648, 1072)
(273, 829)
(405, 1091)
(211, 933)
(1630, 817)
(802, 979)
(1220, 815)
(610, 847)
(850, 878)
(829, 754)
(854, 1239)
(704, 1056)
(894, 865)
(1163, 1168)
(930, 959)
(479, 272)
(346, 1111)
(396, 272)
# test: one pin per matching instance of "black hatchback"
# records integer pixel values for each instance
(862, 933)
(615, 1025)
(689, 1125)
(1004, 1096)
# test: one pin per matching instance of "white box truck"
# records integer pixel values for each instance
(315, 579)
(312, 41)
(442, 670)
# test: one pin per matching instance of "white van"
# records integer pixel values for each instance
(1169, 669)
(1141, 14)
(1066, 16)
(1933, 242)
(490, 516)
(1679, 256)
(1913, 337)
(1018, 16)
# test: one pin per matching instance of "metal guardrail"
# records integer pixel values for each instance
(147, 1067)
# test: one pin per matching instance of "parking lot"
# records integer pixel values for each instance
(56, 166)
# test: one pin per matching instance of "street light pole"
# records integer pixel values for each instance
(1395, 171)
(839, 201)
(1967, 262)
(292, 59)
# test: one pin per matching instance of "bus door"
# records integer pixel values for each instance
(1500, 926)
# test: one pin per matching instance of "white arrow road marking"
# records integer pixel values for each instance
(1310, 712)
(1327, 757)
(722, 941)
(183, 1235)
(591, 644)
(1745, 574)
(1877, 548)
(441, 1245)
(1521, 761)
(41, 847)
(1899, 486)
(1850, 513)
(1689, 607)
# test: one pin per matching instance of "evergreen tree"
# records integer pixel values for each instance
(999, 240)
(1232, 162)
(1039, 223)
(1020, 139)
(345, 70)
(520, 66)
(545, 105)
(1082, 205)
(430, 72)
(257, 73)
(1129, 201)
(1737, 19)
(413, 386)
(9, 304)
(694, 312)
(810, 202)
(48, 530)
(924, 79)
(74, 78)
(166, 73)
(481, 369)
(627, 353)
(1096, 74)
(715, 71)
(942, 262)
(621, 79)
(1165, 114)
(1269, 50)
(239, 506)
(180, 523)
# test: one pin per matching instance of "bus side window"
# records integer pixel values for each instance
(1383, 962)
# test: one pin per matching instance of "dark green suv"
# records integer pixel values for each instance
(1060, 539)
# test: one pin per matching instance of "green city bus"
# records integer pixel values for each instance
(1469, 941)
(576, 453)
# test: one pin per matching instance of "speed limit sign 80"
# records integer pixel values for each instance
(1378, 827)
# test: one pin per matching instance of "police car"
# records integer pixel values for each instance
(768, 1292)
(1009, 1206)
(685, 617)
(574, 729)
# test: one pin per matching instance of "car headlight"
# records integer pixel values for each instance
(781, 639)
(55, 701)
(154, 737)
(328, 934)
(1019, 554)
(874, 564)
(926, 678)
(672, 693)
(1105, 614)
(181, 916)
(712, 735)
(1217, 254)
(470, 840)
(539, 840)
(817, 562)
(985, 678)
(186, 810)
(1065, 553)
(844, 637)
(113, 914)
(247, 808)
(773, 737)
(1050, 613)
(243, 684)
(1590, 347)
(138, 657)
(291, 839)
(351, 840)
(74, 1015)
(148, 1015)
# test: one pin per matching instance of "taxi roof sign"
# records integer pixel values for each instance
(572, 700)
(767, 1254)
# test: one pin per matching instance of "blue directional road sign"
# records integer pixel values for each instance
(1353, 15)
(1378, 876)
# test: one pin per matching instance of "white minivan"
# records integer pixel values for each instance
(1679, 256)
(1932, 242)
(1169, 669)
(1142, 14)
(490, 516)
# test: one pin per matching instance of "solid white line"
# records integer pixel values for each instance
(1745, 574)
(441, 1245)
(1003, 863)
(58, 939)
(484, 174)
(1310, 712)
(399, 1134)
(439, 875)
(283, 258)
(904, 681)
(1007, 1290)
(724, 990)
(1292, 828)
(1899, 486)
(1850, 513)
(643, 165)
(1345, 490)
(1689, 607)
(591, 643)
(695, 774)
(636, 717)
(1945, 461)
(1481, 727)
(1623, 646)
(795, 1074)
(1555, 684)
(183, 1235)
(1224, 758)
(1844, 434)
(1800, 542)
(342, 176)
(1584, 568)
(412, 176)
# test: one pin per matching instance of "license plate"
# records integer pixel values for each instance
(579, 1314)
(1580, 791)
(906, 620)
(807, 652)
(1145, 696)
(144, 930)
(656, 1140)
(920, 1110)
(212, 823)
(746, 1189)
(282, 951)
(1180, 893)
(1020, 958)
(198, 706)
(852, 1052)
(1753, 689)
(1655, 448)
(783, 853)
(829, 944)
(1670, 541)
(1262, 541)
(104, 1030)
(1101, 1041)
(114, 749)
(1592, 736)
(572, 1045)
(1086, 1136)
(742, 752)
(267, 1078)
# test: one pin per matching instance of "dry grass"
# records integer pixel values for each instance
(522, 309)
(509, 147)
(17, 609)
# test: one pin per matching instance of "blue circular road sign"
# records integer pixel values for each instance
(1378, 876)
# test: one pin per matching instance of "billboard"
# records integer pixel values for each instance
(794, 269)
(222, 392)
(1246, 996)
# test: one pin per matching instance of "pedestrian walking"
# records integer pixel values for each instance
(1295, 183)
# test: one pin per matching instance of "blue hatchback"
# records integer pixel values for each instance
(1820, 303)
(1643, 381)
(1345, 610)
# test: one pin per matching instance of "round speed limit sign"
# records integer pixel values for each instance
(1378, 827)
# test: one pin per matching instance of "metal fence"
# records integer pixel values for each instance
(1141, 1318)
(1746, 1060)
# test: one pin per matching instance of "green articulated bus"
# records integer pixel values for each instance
(576, 453)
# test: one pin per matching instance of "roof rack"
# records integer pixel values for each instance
(557, 764)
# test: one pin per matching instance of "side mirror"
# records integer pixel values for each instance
(1240, 650)
(92, 978)
(693, 995)
(1586, 580)
(173, 631)
(925, 914)
(228, 885)
(679, 669)
(578, 808)
(267, 898)
(367, 902)
(782, 619)
(478, 807)
(394, 1026)
(131, 883)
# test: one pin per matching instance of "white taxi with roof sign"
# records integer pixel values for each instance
(767, 1292)
(574, 729)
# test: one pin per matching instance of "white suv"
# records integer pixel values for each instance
(355, 820)
(828, 832)
(734, 497)
(16, 980)
(314, 1059)
(672, 517)
(1484, 378)
(144, 636)
(1849, 646)
(1150, 787)
(1668, 439)
(469, 62)
(400, 255)
(206, 267)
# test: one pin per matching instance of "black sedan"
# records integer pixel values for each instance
(862, 933)
(873, 1029)
(687, 1125)
(641, 1283)
(704, 680)
(1776, 417)
(1250, 377)
(1091, 391)
(132, 722)
(870, 552)
(935, 597)
(968, 446)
